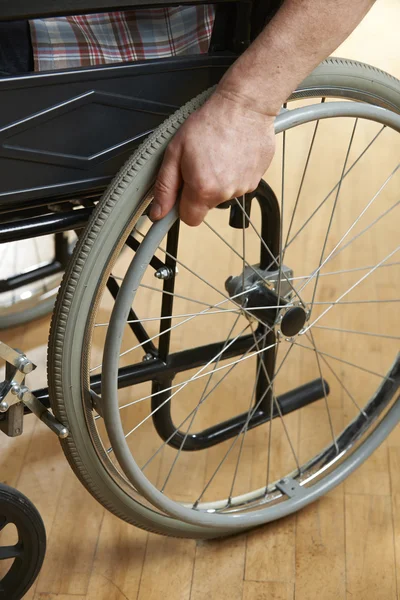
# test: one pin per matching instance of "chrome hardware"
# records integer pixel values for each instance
(164, 273)
(14, 394)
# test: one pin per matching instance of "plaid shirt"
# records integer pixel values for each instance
(81, 41)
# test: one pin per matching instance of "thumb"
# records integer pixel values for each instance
(167, 185)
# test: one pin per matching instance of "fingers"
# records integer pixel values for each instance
(192, 208)
(167, 185)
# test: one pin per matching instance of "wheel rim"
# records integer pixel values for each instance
(357, 111)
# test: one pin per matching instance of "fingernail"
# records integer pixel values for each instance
(155, 212)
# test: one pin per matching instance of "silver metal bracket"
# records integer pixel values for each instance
(252, 275)
(14, 394)
(290, 487)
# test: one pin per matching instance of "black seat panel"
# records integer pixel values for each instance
(68, 133)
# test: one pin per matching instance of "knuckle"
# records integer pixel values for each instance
(161, 186)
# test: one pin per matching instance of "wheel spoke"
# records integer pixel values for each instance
(332, 253)
(376, 301)
(351, 288)
(200, 402)
(194, 378)
(374, 222)
(325, 395)
(345, 362)
(335, 187)
(154, 289)
(301, 183)
(142, 320)
(243, 241)
(274, 402)
(274, 259)
(341, 271)
(7, 552)
(252, 396)
(251, 413)
(358, 332)
(321, 263)
(180, 263)
(231, 367)
(282, 213)
(227, 298)
(340, 382)
(168, 329)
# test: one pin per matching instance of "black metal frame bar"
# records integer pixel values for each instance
(45, 224)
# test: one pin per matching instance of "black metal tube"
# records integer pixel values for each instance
(167, 302)
(44, 225)
(158, 370)
(61, 248)
(288, 402)
(270, 225)
(136, 327)
(13, 283)
(265, 374)
(134, 244)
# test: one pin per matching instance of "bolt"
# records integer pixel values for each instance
(3, 406)
(163, 273)
(25, 365)
(63, 433)
(148, 357)
(15, 389)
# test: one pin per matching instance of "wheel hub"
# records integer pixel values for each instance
(293, 321)
(256, 290)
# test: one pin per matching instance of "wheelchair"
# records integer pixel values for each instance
(177, 423)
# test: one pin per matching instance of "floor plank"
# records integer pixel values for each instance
(218, 571)
(168, 568)
(370, 560)
(271, 590)
(320, 550)
(271, 552)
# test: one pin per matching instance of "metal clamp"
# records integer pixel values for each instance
(14, 394)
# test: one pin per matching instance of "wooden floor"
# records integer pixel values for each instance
(344, 546)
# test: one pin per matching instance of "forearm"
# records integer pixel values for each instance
(302, 33)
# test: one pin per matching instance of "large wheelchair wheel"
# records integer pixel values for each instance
(217, 378)
(22, 543)
(31, 274)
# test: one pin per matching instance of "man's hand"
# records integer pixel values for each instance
(220, 152)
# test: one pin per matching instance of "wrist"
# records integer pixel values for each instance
(243, 96)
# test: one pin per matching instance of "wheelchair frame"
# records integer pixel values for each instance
(56, 206)
(55, 99)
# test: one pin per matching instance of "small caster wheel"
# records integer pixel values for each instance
(20, 561)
